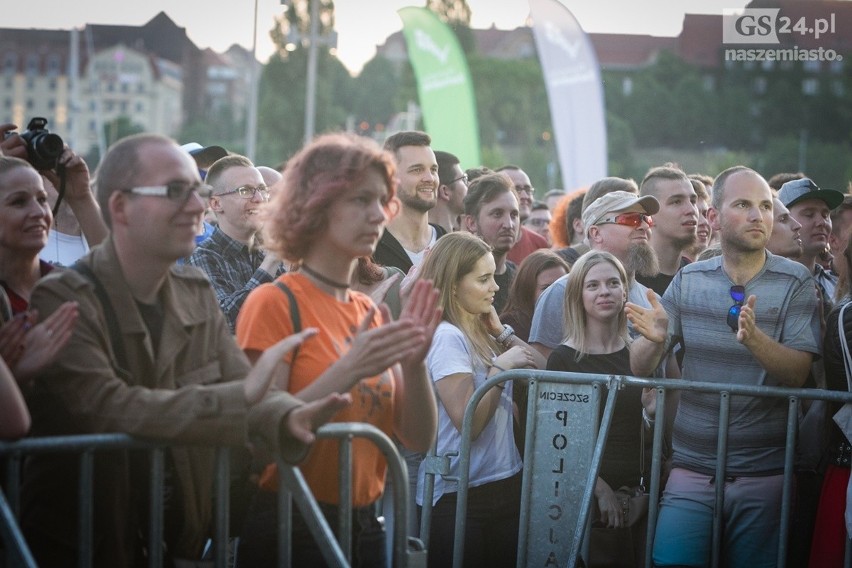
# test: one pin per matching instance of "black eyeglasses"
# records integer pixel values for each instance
(248, 191)
(462, 178)
(738, 296)
(175, 191)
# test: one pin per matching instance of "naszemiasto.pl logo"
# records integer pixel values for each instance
(765, 27)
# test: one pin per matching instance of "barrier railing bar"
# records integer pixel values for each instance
(656, 469)
(285, 521)
(13, 482)
(155, 518)
(311, 514)
(396, 468)
(18, 554)
(84, 524)
(344, 475)
(433, 465)
(725, 391)
(12, 452)
(13, 498)
(464, 452)
(527, 481)
(223, 507)
(77, 444)
(583, 522)
(428, 491)
(719, 478)
(17, 551)
(789, 473)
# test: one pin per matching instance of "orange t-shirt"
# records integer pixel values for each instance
(264, 320)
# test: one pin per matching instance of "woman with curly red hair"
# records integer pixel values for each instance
(336, 196)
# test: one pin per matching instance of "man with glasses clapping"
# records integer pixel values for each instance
(232, 257)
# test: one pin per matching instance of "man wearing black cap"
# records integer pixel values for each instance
(812, 206)
(204, 156)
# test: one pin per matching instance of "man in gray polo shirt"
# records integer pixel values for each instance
(745, 317)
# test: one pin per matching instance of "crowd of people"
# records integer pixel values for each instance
(189, 295)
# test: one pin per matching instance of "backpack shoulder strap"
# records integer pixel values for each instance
(295, 317)
(116, 339)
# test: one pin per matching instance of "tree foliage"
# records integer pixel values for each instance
(456, 14)
(283, 84)
(706, 118)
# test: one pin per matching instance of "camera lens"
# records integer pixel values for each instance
(45, 150)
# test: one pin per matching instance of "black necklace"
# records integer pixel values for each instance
(323, 279)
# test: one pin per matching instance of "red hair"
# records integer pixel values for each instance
(560, 232)
(315, 177)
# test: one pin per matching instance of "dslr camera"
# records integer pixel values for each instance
(43, 148)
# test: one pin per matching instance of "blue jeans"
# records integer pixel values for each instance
(750, 518)
(492, 522)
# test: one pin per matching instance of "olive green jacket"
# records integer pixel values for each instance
(186, 390)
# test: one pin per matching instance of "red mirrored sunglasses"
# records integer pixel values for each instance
(633, 219)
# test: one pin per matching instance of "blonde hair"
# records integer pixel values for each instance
(574, 312)
(451, 259)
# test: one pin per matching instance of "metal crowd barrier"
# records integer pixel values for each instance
(578, 520)
(406, 552)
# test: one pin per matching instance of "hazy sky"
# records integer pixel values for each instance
(361, 24)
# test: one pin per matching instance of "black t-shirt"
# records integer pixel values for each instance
(620, 464)
(659, 282)
(504, 281)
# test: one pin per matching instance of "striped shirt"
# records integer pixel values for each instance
(697, 303)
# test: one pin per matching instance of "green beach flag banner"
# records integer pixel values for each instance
(572, 77)
(443, 84)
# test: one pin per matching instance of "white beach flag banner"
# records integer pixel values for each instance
(575, 93)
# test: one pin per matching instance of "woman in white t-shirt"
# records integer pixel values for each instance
(469, 346)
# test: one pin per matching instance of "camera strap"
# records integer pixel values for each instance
(60, 171)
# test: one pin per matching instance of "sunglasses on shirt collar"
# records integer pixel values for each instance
(738, 296)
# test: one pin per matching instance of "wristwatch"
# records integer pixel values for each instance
(505, 336)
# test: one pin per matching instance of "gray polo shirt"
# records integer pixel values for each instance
(697, 303)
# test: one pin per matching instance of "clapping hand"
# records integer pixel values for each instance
(29, 348)
(380, 292)
(747, 325)
(421, 309)
(303, 421)
(407, 284)
(266, 368)
(651, 323)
